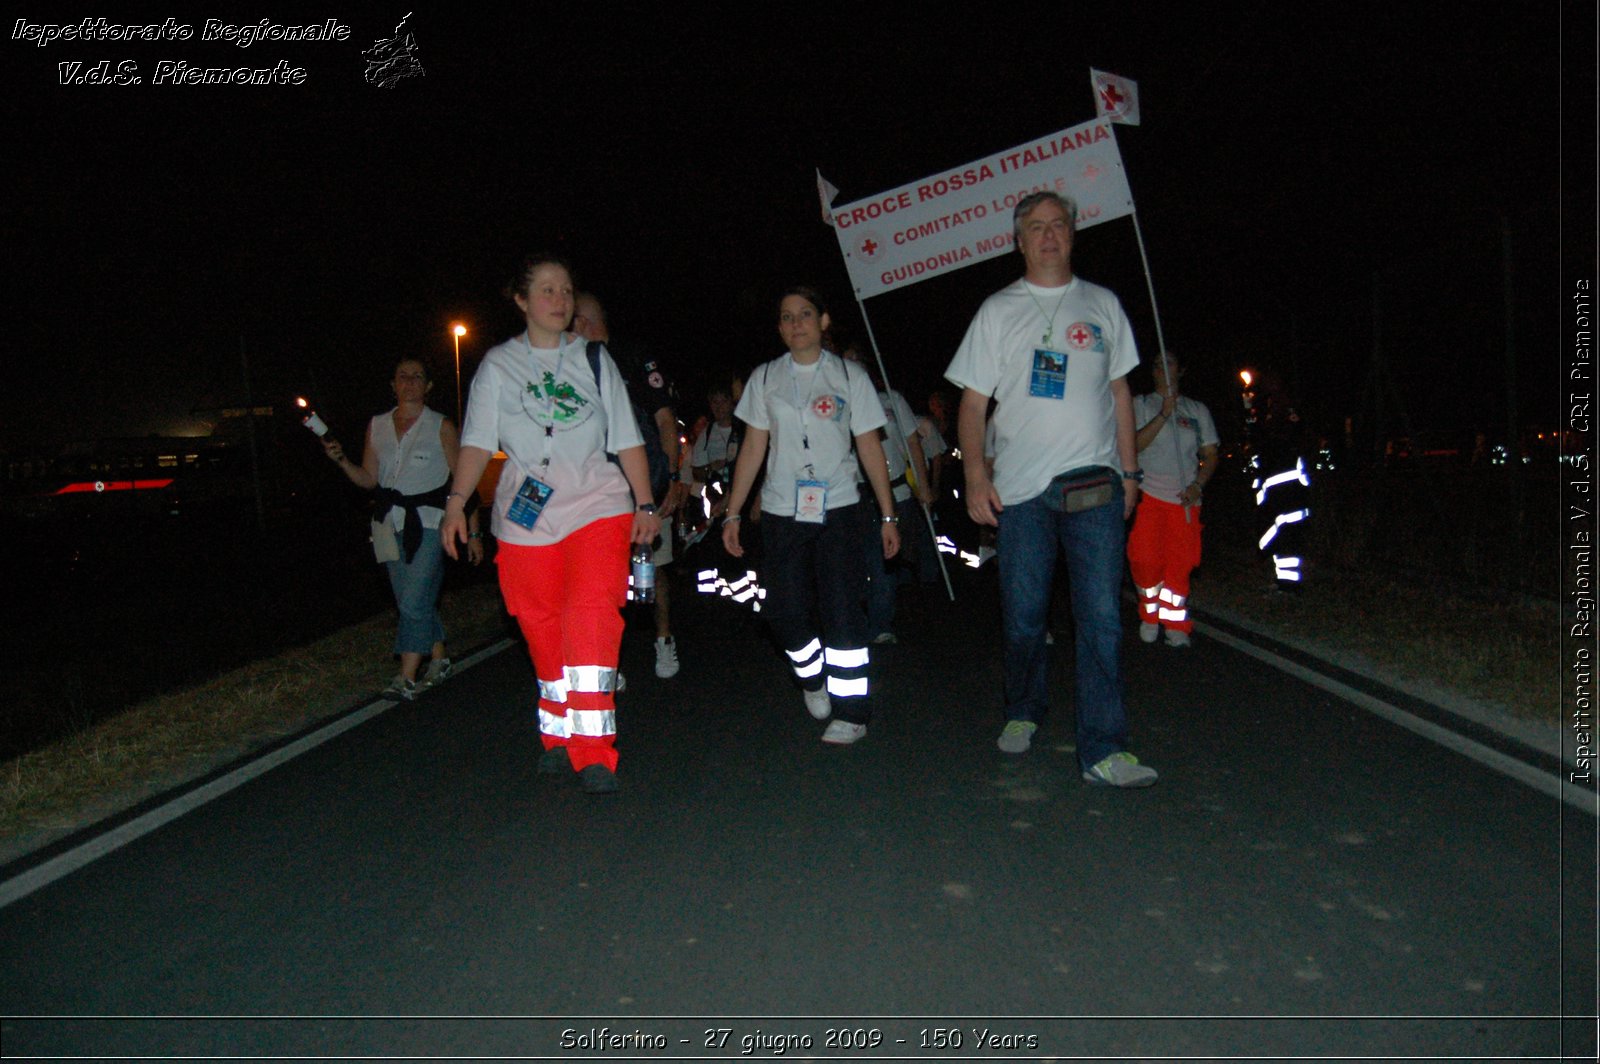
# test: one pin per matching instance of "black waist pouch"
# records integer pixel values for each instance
(1082, 489)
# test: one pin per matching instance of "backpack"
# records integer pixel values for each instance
(656, 459)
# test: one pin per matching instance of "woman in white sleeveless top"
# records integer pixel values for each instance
(407, 460)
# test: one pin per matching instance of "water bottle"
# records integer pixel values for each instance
(643, 577)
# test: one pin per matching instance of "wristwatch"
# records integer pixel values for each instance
(1135, 475)
(647, 508)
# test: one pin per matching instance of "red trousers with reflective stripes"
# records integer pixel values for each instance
(567, 598)
(1163, 549)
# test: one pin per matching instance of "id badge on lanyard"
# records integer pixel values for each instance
(1049, 377)
(530, 501)
(810, 501)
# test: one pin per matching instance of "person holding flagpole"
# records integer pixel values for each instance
(1054, 352)
(803, 411)
(1177, 443)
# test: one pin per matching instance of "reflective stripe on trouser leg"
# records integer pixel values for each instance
(1171, 611)
(847, 673)
(553, 712)
(807, 663)
(592, 682)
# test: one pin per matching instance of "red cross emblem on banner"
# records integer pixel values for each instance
(1080, 336)
(869, 247)
(1091, 172)
(1112, 99)
(824, 407)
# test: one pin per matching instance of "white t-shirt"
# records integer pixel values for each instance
(896, 409)
(1054, 413)
(521, 390)
(713, 445)
(933, 442)
(825, 405)
(1168, 469)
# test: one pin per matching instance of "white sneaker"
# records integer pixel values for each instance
(439, 670)
(818, 704)
(843, 733)
(666, 657)
(1148, 633)
(1176, 638)
(404, 689)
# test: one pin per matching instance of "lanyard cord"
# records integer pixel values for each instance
(800, 410)
(549, 400)
(1050, 319)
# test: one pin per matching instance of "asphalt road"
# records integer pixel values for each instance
(1306, 880)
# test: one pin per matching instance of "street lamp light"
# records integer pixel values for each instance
(457, 331)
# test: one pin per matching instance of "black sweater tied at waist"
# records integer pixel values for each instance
(411, 532)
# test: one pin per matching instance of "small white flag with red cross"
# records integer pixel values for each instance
(1115, 97)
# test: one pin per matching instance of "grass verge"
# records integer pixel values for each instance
(1498, 650)
(168, 740)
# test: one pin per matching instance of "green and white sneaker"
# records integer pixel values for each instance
(1120, 770)
(1017, 736)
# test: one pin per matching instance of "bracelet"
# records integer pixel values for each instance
(730, 518)
(474, 535)
(454, 495)
(890, 520)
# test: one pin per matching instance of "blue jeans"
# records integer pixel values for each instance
(416, 592)
(1093, 543)
(884, 577)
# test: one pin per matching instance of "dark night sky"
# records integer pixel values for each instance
(1289, 155)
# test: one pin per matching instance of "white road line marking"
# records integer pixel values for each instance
(1542, 781)
(20, 886)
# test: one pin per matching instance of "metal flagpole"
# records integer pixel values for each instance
(905, 445)
(1166, 366)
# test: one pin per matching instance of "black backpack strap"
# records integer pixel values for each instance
(593, 348)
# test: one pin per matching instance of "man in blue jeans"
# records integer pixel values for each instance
(1054, 351)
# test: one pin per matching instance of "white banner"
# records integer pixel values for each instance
(962, 216)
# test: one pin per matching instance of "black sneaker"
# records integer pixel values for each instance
(597, 779)
(555, 761)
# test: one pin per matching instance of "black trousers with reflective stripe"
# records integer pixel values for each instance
(816, 581)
